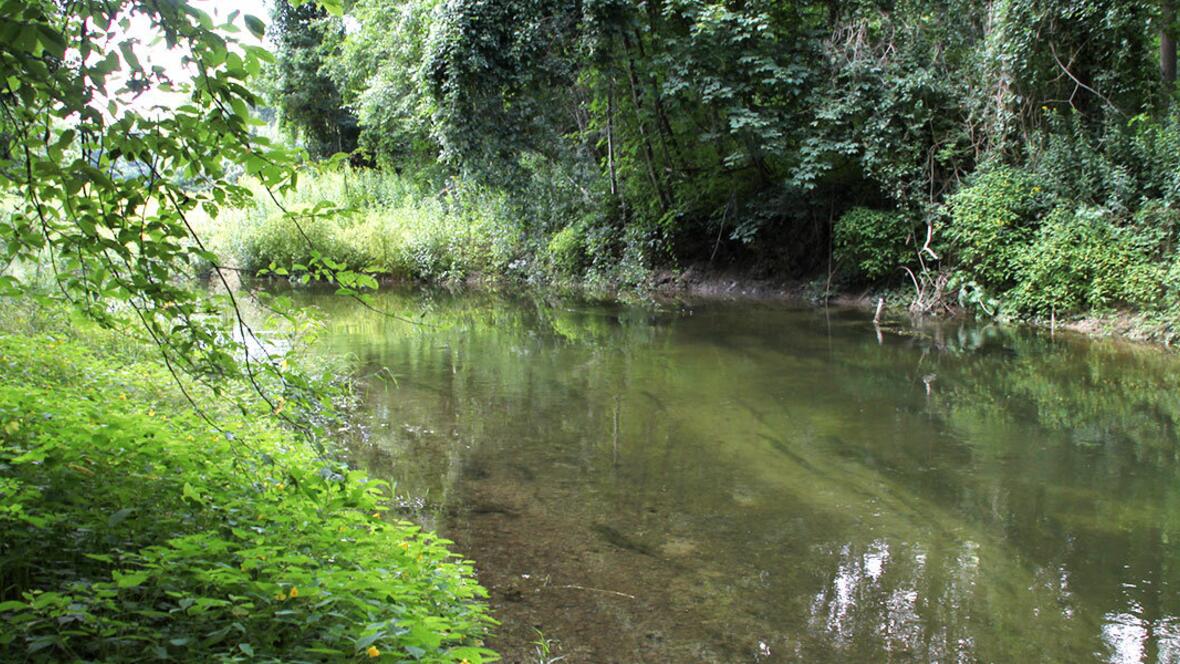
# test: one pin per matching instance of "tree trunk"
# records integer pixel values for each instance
(648, 152)
(663, 127)
(1168, 42)
(610, 136)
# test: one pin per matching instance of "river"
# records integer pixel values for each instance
(765, 482)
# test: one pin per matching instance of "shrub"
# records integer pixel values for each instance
(1079, 260)
(387, 226)
(992, 220)
(1154, 228)
(1172, 283)
(130, 529)
(873, 244)
(1116, 165)
(286, 243)
(566, 251)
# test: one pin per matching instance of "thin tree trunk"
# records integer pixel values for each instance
(1168, 42)
(648, 152)
(610, 136)
(663, 127)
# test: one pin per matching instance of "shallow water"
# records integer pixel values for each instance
(744, 482)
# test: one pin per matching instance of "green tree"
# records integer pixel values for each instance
(309, 102)
(688, 130)
(378, 69)
(99, 184)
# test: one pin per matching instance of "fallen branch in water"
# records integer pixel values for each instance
(597, 590)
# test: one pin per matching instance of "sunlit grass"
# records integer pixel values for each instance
(386, 225)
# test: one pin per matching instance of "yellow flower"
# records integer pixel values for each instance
(376, 515)
(151, 412)
(373, 652)
(294, 592)
(122, 396)
(281, 597)
(464, 661)
(405, 545)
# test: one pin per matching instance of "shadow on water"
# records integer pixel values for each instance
(722, 482)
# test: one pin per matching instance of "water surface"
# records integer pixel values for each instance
(747, 482)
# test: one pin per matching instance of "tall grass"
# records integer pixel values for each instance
(388, 225)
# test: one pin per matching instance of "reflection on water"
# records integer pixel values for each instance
(753, 482)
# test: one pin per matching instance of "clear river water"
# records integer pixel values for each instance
(765, 482)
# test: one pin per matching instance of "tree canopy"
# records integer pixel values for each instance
(738, 125)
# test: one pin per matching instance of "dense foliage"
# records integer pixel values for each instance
(173, 507)
(670, 132)
(383, 224)
(131, 527)
(873, 243)
(308, 100)
(1021, 154)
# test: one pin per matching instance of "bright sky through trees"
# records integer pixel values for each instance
(154, 52)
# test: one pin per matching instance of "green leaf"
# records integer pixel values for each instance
(129, 54)
(118, 517)
(190, 492)
(129, 579)
(366, 641)
(41, 643)
(255, 26)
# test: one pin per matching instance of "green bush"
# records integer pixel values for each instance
(1079, 260)
(1154, 229)
(1116, 165)
(872, 244)
(387, 225)
(286, 243)
(566, 251)
(131, 529)
(992, 220)
(1172, 283)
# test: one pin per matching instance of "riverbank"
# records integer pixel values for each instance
(1087, 270)
(145, 515)
(1160, 329)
